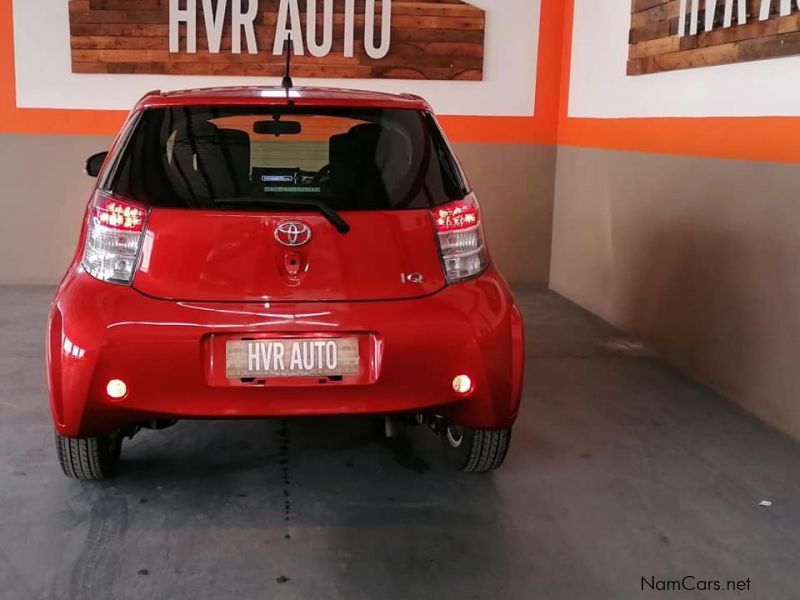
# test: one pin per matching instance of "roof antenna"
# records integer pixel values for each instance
(287, 83)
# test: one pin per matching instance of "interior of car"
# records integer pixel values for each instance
(359, 167)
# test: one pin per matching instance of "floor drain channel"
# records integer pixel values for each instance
(283, 462)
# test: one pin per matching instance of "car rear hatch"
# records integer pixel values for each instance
(224, 256)
(246, 203)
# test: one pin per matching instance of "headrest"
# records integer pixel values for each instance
(197, 129)
(366, 136)
(234, 145)
(233, 136)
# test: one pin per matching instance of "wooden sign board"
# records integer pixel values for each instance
(668, 35)
(400, 39)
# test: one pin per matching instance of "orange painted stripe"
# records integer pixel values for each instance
(565, 63)
(774, 139)
(549, 68)
(497, 130)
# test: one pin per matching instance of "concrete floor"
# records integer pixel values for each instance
(620, 469)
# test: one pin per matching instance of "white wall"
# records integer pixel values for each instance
(45, 80)
(600, 88)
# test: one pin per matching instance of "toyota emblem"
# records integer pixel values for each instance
(293, 233)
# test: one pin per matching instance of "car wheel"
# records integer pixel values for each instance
(475, 450)
(90, 457)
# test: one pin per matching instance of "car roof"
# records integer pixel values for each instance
(301, 96)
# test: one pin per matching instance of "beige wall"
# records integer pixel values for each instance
(43, 196)
(698, 257)
(44, 192)
(514, 184)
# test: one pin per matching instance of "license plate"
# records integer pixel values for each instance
(311, 357)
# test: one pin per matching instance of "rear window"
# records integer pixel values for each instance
(233, 158)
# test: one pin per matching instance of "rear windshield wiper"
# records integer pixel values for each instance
(324, 209)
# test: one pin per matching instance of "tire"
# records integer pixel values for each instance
(89, 458)
(475, 450)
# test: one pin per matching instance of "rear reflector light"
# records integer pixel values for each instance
(462, 385)
(461, 241)
(116, 389)
(113, 239)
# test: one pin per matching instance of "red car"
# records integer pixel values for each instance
(272, 252)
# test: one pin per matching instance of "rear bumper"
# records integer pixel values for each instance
(162, 350)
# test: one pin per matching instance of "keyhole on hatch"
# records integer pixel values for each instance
(292, 264)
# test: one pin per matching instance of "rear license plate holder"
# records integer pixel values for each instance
(270, 358)
(359, 358)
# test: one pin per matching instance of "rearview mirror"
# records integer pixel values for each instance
(277, 127)
(94, 163)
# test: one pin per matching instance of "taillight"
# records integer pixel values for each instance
(113, 238)
(460, 236)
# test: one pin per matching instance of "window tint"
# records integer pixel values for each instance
(350, 158)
